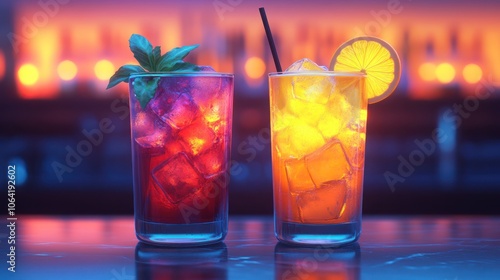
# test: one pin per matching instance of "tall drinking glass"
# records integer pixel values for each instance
(318, 125)
(181, 146)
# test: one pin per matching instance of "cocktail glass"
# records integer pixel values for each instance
(181, 146)
(318, 125)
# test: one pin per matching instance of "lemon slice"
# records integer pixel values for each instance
(374, 57)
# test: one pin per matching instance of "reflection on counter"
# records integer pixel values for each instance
(317, 263)
(207, 262)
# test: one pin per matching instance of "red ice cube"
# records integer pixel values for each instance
(157, 208)
(177, 177)
(212, 161)
(197, 137)
(172, 147)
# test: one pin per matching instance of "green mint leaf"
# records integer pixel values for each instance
(123, 74)
(154, 57)
(181, 52)
(142, 50)
(185, 66)
(173, 57)
(144, 89)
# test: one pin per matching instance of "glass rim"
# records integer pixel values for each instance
(182, 74)
(318, 73)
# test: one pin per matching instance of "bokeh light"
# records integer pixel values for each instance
(472, 73)
(28, 74)
(2, 64)
(67, 70)
(104, 69)
(255, 67)
(445, 73)
(427, 71)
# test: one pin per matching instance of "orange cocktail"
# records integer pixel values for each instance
(318, 129)
(318, 124)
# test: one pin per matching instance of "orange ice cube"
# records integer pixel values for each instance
(298, 176)
(328, 163)
(323, 204)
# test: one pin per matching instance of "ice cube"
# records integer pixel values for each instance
(171, 148)
(353, 142)
(163, 102)
(144, 124)
(336, 117)
(323, 204)
(155, 142)
(182, 112)
(298, 176)
(209, 95)
(177, 177)
(174, 147)
(329, 125)
(214, 112)
(328, 163)
(311, 88)
(197, 137)
(304, 64)
(298, 139)
(220, 128)
(208, 199)
(282, 120)
(159, 208)
(351, 88)
(212, 161)
(307, 111)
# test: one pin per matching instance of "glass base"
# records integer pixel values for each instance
(180, 235)
(329, 235)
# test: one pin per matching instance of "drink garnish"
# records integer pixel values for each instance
(374, 57)
(151, 60)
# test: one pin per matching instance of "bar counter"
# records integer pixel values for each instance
(390, 247)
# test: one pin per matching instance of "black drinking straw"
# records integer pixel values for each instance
(270, 39)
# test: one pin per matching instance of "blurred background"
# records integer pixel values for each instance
(56, 57)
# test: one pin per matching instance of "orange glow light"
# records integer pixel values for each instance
(28, 74)
(255, 67)
(2, 64)
(445, 73)
(472, 73)
(104, 69)
(67, 70)
(427, 71)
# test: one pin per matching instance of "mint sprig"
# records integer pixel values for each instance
(150, 59)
